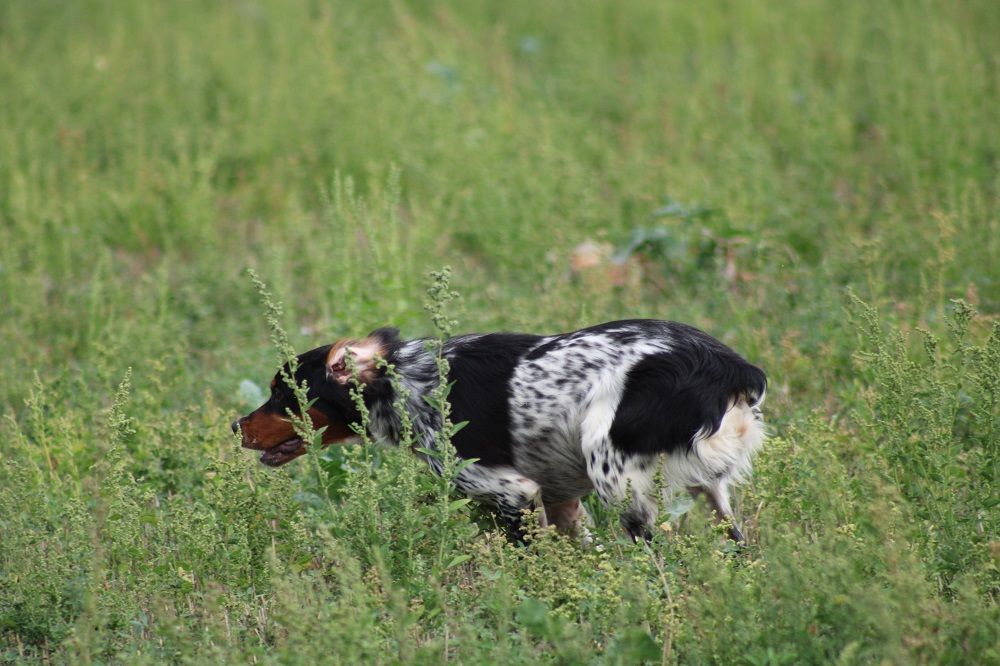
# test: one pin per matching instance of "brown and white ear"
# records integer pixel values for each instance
(364, 353)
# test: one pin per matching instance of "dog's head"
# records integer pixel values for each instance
(328, 377)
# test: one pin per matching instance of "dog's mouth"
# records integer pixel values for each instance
(284, 452)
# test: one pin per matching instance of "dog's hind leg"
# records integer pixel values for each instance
(718, 500)
(725, 457)
(618, 478)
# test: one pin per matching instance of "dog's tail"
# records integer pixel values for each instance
(748, 383)
(725, 381)
(678, 397)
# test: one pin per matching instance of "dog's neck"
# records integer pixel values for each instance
(416, 373)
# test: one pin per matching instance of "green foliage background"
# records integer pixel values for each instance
(814, 183)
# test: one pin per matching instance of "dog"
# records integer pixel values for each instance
(549, 418)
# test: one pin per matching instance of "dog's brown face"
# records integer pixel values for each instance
(269, 429)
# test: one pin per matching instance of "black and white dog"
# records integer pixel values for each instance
(550, 418)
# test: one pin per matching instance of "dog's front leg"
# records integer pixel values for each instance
(505, 488)
(512, 516)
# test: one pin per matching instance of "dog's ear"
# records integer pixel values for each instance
(386, 335)
(364, 353)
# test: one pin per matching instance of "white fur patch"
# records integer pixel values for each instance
(724, 455)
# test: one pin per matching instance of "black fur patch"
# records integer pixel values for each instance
(481, 370)
(311, 368)
(331, 398)
(670, 396)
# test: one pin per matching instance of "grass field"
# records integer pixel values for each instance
(816, 184)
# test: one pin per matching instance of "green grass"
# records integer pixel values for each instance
(816, 185)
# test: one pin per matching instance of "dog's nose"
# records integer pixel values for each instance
(236, 426)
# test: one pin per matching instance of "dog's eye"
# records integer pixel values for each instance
(282, 400)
